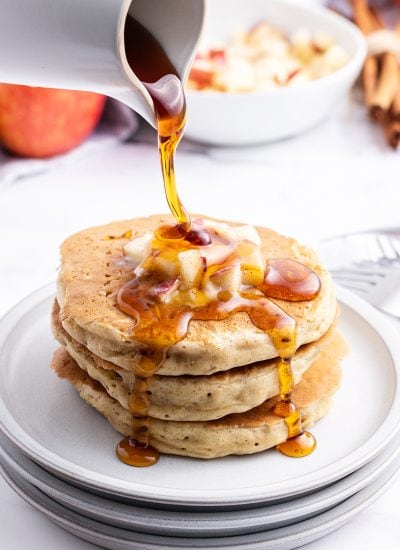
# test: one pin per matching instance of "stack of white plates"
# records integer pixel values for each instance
(57, 453)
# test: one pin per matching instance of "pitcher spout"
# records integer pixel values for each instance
(80, 44)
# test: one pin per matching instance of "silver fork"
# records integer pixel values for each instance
(368, 264)
(375, 283)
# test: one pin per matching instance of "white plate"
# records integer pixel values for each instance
(284, 538)
(195, 524)
(47, 420)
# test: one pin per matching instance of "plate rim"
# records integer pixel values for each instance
(315, 527)
(68, 470)
(310, 505)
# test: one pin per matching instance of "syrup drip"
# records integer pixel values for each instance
(151, 65)
(133, 453)
(160, 325)
(299, 443)
(289, 280)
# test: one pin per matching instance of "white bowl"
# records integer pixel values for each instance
(224, 118)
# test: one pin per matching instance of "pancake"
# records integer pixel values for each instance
(193, 397)
(93, 269)
(242, 433)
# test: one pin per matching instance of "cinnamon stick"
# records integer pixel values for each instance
(377, 21)
(386, 89)
(395, 108)
(381, 76)
(365, 18)
(370, 78)
(392, 133)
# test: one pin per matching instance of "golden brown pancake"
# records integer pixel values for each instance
(242, 433)
(193, 397)
(93, 270)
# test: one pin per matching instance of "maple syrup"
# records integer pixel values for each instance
(290, 280)
(133, 453)
(152, 66)
(159, 325)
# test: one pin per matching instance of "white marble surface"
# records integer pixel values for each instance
(339, 177)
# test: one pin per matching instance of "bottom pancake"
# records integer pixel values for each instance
(241, 433)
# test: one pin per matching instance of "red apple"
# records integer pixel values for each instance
(43, 122)
(218, 55)
(201, 73)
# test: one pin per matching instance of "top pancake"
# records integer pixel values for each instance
(93, 269)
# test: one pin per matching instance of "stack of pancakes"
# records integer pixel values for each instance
(215, 392)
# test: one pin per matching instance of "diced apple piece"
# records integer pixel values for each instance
(335, 57)
(166, 290)
(201, 55)
(252, 263)
(196, 297)
(266, 39)
(322, 40)
(252, 275)
(248, 233)
(236, 76)
(199, 235)
(218, 55)
(140, 247)
(302, 46)
(216, 253)
(210, 291)
(301, 37)
(201, 73)
(139, 271)
(165, 266)
(191, 267)
(221, 229)
(228, 278)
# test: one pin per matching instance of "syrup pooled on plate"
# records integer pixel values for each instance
(161, 323)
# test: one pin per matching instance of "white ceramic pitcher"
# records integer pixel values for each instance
(79, 44)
